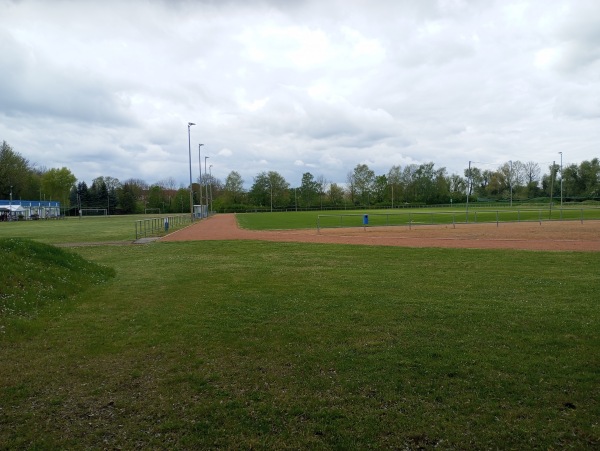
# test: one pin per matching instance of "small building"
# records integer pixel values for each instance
(29, 209)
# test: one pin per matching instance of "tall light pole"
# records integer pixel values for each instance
(561, 180)
(210, 181)
(271, 184)
(510, 182)
(200, 179)
(468, 189)
(205, 158)
(552, 178)
(190, 152)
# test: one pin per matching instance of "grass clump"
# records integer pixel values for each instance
(35, 274)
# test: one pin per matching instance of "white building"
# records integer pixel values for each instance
(29, 209)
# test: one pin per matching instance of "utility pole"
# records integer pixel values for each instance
(200, 172)
(561, 181)
(468, 189)
(191, 186)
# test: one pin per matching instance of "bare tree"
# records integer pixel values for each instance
(531, 171)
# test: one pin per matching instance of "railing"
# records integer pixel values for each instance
(152, 227)
(456, 217)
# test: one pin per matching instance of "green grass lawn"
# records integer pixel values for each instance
(305, 346)
(76, 230)
(406, 216)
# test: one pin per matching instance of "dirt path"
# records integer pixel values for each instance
(559, 236)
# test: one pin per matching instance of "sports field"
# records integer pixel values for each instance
(242, 342)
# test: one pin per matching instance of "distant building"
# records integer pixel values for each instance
(29, 209)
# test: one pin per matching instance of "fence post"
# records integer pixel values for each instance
(497, 221)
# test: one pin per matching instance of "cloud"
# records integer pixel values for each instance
(108, 88)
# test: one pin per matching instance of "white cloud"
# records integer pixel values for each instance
(108, 88)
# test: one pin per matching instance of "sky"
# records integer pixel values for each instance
(108, 88)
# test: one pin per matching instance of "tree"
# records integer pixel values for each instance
(364, 180)
(351, 190)
(380, 189)
(269, 189)
(279, 189)
(532, 172)
(573, 186)
(15, 172)
(321, 188)
(336, 194)
(589, 172)
(549, 183)
(308, 189)
(430, 185)
(127, 198)
(155, 197)
(168, 186)
(234, 188)
(138, 189)
(394, 178)
(457, 187)
(80, 196)
(582, 180)
(57, 184)
(474, 179)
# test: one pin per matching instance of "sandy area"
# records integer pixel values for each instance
(558, 236)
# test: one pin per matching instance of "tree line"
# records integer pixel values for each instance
(413, 184)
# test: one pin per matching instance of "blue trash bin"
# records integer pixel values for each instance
(365, 219)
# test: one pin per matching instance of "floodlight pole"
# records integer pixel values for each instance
(561, 181)
(552, 178)
(468, 190)
(510, 182)
(200, 173)
(190, 153)
(205, 158)
(210, 181)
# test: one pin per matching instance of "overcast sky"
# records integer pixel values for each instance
(106, 88)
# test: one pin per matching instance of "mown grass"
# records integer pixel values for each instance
(406, 216)
(282, 345)
(77, 230)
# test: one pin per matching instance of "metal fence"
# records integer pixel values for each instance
(151, 227)
(410, 219)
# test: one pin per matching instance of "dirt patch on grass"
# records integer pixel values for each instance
(558, 236)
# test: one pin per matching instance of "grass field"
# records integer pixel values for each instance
(75, 230)
(284, 345)
(404, 217)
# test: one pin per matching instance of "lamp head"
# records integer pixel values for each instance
(190, 123)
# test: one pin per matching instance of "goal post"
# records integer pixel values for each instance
(93, 212)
